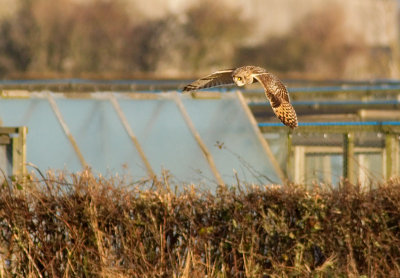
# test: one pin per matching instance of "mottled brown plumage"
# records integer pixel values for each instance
(275, 91)
(218, 78)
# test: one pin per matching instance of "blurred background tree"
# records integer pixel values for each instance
(318, 46)
(121, 38)
(212, 40)
(17, 39)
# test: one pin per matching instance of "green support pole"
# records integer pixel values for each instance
(390, 155)
(289, 165)
(348, 157)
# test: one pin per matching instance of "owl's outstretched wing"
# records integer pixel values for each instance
(218, 78)
(278, 96)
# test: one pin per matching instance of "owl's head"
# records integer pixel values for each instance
(242, 77)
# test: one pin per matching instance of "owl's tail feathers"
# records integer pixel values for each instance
(286, 113)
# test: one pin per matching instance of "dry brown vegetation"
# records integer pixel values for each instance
(84, 226)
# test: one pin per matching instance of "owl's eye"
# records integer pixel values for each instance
(238, 78)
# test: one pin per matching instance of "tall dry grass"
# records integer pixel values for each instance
(80, 225)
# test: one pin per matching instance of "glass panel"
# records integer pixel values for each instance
(158, 124)
(323, 168)
(101, 137)
(225, 122)
(47, 145)
(370, 168)
(166, 139)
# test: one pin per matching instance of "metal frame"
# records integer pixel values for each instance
(391, 130)
(64, 126)
(264, 143)
(131, 134)
(297, 154)
(121, 115)
(198, 139)
(110, 96)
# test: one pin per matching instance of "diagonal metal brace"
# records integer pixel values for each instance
(198, 139)
(132, 135)
(64, 126)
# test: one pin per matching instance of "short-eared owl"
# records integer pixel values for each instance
(274, 89)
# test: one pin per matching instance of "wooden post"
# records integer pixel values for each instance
(19, 152)
(348, 157)
(198, 139)
(64, 126)
(129, 130)
(261, 138)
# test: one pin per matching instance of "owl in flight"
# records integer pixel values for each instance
(275, 91)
